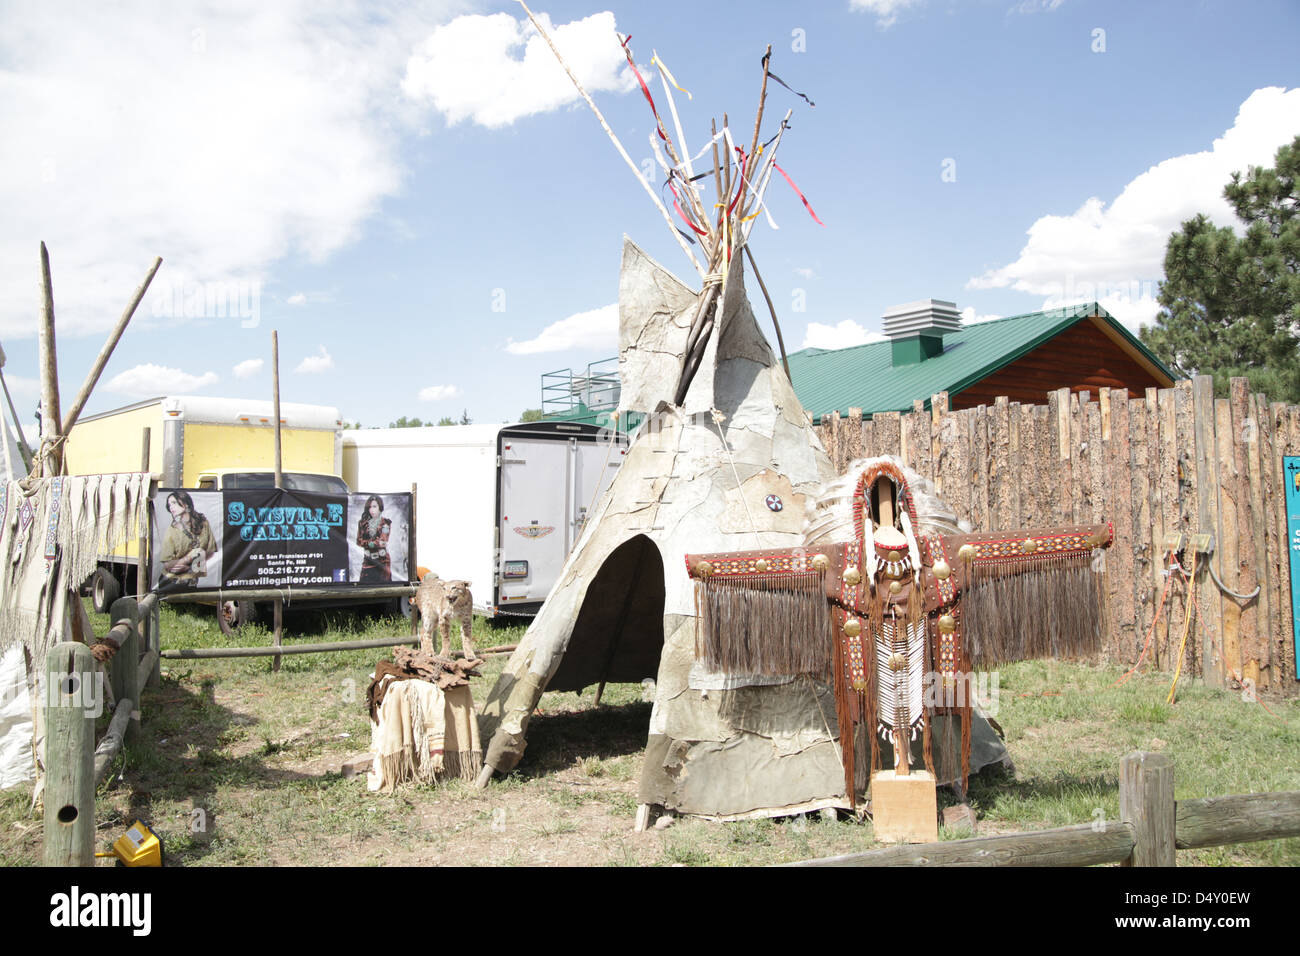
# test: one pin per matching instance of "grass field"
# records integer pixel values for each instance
(241, 766)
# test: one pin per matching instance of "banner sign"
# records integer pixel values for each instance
(269, 538)
(1291, 478)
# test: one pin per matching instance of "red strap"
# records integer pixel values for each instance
(799, 194)
(659, 125)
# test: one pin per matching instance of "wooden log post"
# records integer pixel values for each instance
(154, 614)
(125, 667)
(1207, 521)
(50, 455)
(71, 693)
(1146, 803)
(278, 615)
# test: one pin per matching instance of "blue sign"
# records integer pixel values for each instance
(1291, 476)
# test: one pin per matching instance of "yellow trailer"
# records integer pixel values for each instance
(191, 435)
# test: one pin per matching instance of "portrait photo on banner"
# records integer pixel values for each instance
(187, 533)
(378, 531)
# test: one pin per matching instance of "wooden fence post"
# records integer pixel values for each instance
(71, 691)
(1146, 803)
(125, 667)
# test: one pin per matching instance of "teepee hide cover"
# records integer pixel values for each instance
(729, 469)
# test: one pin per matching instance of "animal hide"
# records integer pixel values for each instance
(762, 624)
(423, 734)
(52, 531)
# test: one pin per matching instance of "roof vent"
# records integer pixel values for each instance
(916, 329)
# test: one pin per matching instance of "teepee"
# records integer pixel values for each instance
(726, 460)
(731, 468)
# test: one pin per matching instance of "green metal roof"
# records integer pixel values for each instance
(865, 377)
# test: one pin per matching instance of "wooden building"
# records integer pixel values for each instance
(928, 350)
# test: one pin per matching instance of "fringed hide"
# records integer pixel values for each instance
(52, 532)
(763, 614)
(1035, 595)
(423, 735)
(915, 605)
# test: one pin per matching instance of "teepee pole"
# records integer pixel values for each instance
(758, 122)
(765, 176)
(23, 449)
(697, 204)
(617, 145)
(51, 449)
(102, 359)
(780, 340)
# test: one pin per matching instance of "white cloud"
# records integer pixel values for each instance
(20, 386)
(248, 368)
(886, 11)
(597, 329)
(805, 272)
(1133, 307)
(840, 336)
(1034, 6)
(471, 68)
(222, 137)
(322, 361)
(1117, 252)
(150, 380)
(298, 298)
(436, 393)
(968, 316)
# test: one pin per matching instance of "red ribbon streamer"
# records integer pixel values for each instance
(807, 205)
(686, 219)
(659, 124)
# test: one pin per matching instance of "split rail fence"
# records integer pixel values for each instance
(1172, 463)
(1151, 828)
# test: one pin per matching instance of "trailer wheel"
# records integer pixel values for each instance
(232, 615)
(104, 590)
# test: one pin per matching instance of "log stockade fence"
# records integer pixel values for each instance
(1152, 827)
(1161, 467)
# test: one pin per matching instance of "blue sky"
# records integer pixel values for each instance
(416, 200)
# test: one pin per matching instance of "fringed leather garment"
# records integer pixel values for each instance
(898, 620)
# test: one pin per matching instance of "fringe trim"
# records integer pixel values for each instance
(764, 624)
(1055, 610)
(463, 764)
(74, 519)
(843, 713)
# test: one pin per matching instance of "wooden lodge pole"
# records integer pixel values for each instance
(23, 448)
(50, 456)
(278, 614)
(104, 353)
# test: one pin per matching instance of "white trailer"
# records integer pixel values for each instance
(497, 505)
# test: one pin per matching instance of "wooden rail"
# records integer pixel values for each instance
(1151, 827)
(195, 653)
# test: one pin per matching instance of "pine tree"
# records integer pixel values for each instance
(1231, 304)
